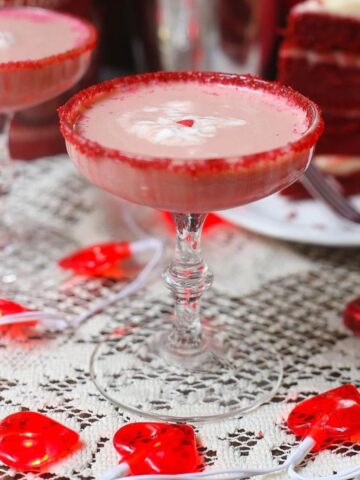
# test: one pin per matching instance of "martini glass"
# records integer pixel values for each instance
(188, 143)
(42, 54)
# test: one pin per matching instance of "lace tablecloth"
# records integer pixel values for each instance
(290, 296)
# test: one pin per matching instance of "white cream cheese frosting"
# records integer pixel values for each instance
(337, 7)
(346, 7)
(339, 165)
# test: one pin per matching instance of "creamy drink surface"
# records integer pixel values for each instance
(190, 120)
(33, 34)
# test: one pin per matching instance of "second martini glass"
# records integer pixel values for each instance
(188, 143)
(42, 54)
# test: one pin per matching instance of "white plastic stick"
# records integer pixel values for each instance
(120, 471)
(344, 475)
(136, 284)
(232, 473)
(45, 319)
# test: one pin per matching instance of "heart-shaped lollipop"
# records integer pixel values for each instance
(8, 307)
(97, 260)
(329, 417)
(351, 316)
(30, 440)
(158, 448)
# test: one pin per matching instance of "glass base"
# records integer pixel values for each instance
(136, 370)
(29, 248)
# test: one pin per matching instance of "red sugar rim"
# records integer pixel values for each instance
(88, 44)
(74, 107)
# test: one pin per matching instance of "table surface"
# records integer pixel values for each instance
(291, 295)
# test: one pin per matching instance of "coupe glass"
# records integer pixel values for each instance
(25, 84)
(193, 371)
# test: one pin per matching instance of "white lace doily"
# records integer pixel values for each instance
(289, 297)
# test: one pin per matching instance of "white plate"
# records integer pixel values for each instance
(306, 221)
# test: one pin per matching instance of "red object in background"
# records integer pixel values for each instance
(211, 220)
(78, 7)
(291, 3)
(99, 259)
(329, 417)
(30, 440)
(237, 27)
(158, 448)
(351, 316)
(245, 23)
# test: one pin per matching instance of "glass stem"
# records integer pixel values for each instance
(187, 278)
(6, 167)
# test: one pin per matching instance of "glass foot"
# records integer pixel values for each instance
(134, 369)
(28, 249)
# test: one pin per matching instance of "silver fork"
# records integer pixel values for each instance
(319, 187)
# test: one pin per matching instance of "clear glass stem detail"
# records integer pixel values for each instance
(187, 278)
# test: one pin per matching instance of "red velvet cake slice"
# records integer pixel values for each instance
(325, 26)
(320, 57)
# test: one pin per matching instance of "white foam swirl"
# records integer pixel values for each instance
(6, 39)
(159, 124)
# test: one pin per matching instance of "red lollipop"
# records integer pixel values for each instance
(30, 440)
(329, 417)
(351, 316)
(7, 307)
(99, 259)
(157, 448)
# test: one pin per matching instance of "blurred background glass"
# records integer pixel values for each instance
(228, 35)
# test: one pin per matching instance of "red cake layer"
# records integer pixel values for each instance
(320, 57)
(322, 31)
(329, 85)
(341, 136)
(341, 145)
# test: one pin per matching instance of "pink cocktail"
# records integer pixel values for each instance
(42, 54)
(190, 143)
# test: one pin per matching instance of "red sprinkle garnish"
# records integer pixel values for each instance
(187, 122)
